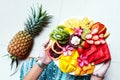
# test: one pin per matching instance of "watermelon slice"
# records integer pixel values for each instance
(101, 54)
(107, 57)
(90, 50)
(98, 54)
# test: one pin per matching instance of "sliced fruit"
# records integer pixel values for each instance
(60, 34)
(88, 36)
(86, 23)
(106, 52)
(106, 35)
(68, 64)
(74, 41)
(95, 37)
(97, 42)
(78, 71)
(52, 54)
(72, 23)
(101, 28)
(63, 66)
(80, 50)
(90, 41)
(98, 54)
(70, 30)
(75, 55)
(94, 31)
(102, 41)
(56, 48)
(62, 42)
(101, 35)
(48, 44)
(70, 68)
(90, 71)
(60, 27)
(85, 70)
(84, 44)
(85, 32)
(85, 20)
(101, 55)
(82, 73)
(53, 49)
(90, 50)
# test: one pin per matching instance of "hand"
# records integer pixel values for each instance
(103, 69)
(45, 58)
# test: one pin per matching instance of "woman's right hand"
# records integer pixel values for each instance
(99, 74)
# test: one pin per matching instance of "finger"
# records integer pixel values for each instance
(103, 69)
(106, 64)
(46, 44)
(42, 51)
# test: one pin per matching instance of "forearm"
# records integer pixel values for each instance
(34, 73)
(37, 69)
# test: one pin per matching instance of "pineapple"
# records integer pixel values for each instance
(21, 44)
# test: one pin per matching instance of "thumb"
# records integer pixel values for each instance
(103, 69)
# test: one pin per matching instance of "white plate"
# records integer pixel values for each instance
(80, 18)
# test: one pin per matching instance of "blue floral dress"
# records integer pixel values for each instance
(51, 72)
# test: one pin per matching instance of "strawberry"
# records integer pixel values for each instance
(90, 41)
(88, 36)
(95, 37)
(102, 41)
(84, 44)
(80, 50)
(97, 42)
(101, 35)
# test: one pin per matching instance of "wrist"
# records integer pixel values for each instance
(96, 77)
(45, 61)
(41, 64)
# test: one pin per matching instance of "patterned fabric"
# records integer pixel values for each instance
(51, 72)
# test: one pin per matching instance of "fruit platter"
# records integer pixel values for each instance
(78, 46)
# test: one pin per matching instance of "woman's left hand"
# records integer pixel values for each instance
(103, 69)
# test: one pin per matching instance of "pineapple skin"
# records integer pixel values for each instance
(20, 45)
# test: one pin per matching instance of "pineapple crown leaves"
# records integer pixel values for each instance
(37, 20)
(13, 58)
